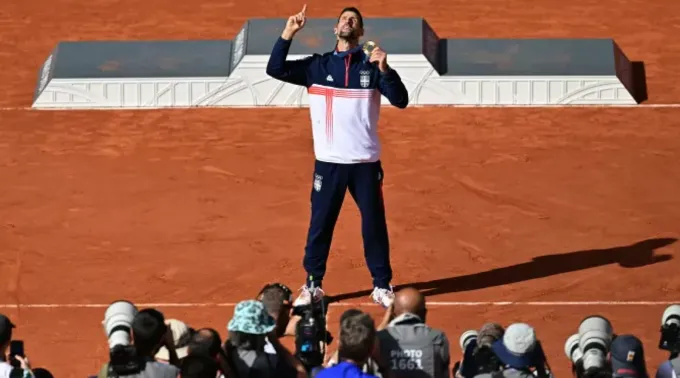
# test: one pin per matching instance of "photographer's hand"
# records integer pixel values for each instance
(332, 360)
(24, 364)
(169, 342)
(456, 370)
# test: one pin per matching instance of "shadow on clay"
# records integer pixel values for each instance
(639, 82)
(631, 256)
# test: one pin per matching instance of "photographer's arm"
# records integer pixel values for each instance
(292, 325)
(282, 351)
(170, 344)
(387, 318)
(543, 371)
(332, 360)
(457, 370)
(25, 365)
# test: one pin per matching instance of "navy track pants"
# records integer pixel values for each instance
(364, 181)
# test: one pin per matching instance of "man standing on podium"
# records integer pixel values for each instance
(345, 88)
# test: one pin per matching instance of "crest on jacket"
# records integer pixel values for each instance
(365, 79)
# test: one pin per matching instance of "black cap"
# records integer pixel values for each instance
(628, 358)
(6, 326)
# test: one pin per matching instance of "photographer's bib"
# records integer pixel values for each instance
(408, 346)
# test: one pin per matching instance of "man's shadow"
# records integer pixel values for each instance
(630, 256)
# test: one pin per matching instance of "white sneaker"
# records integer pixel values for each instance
(383, 297)
(306, 295)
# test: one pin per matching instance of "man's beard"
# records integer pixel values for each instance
(348, 35)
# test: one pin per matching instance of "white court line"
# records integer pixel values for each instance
(350, 304)
(639, 106)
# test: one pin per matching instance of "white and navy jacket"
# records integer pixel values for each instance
(344, 99)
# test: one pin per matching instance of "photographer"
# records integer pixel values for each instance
(181, 335)
(149, 333)
(199, 366)
(249, 330)
(478, 355)
(521, 353)
(627, 357)
(277, 300)
(370, 367)
(207, 342)
(357, 343)
(18, 364)
(588, 349)
(670, 341)
(408, 344)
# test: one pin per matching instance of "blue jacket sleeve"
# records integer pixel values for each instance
(289, 71)
(665, 370)
(391, 86)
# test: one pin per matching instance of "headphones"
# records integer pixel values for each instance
(288, 301)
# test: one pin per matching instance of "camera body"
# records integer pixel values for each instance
(123, 360)
(670, 330)
(477, 358)
(311, 335)
(16, 348)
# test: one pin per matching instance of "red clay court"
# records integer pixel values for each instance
(544, 208)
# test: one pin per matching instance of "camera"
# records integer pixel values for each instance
(468, 339)
(670, 330)
(587, 350)
(311, 335)
(123, 359)
(16, 348)
(478, 358)
(572, 350)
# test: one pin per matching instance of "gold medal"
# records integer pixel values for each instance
(368, 47)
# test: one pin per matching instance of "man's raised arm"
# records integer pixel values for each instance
(289, 71)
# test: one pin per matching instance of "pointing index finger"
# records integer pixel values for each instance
(304, 8)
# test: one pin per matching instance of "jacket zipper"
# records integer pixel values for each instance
(348, 58)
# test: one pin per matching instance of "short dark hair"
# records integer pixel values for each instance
(349, 313)
(148, 330)
(357, 336)
(198, 366)
(356, 11)
(206, 341)
(273, 298)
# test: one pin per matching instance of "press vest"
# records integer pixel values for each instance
(413, 349)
